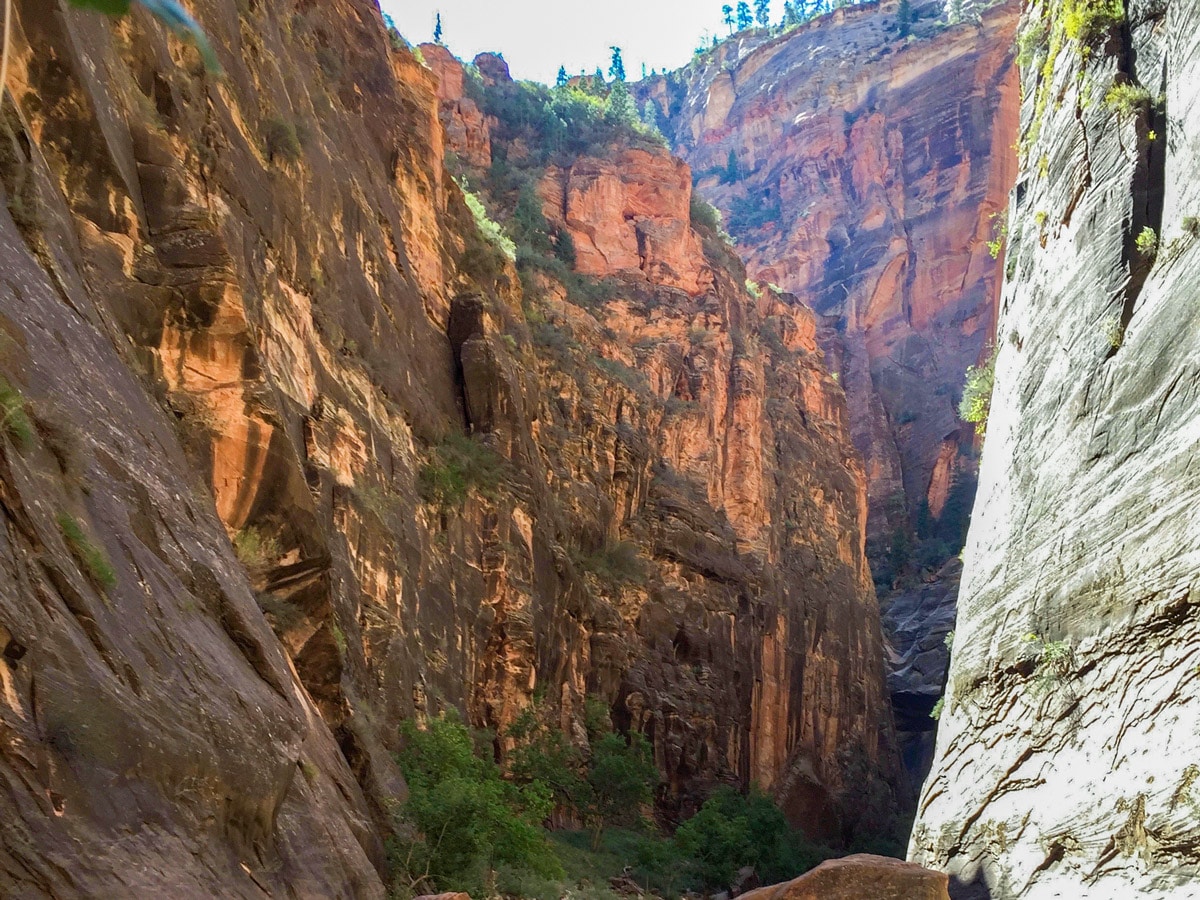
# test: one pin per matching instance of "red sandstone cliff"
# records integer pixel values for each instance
(866, 171)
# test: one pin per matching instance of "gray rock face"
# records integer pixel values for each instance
(1068, 750)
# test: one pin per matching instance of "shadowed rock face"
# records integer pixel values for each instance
(1066, 756)
(860, 171)
(259, 309)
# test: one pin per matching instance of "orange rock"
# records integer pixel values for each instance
(630, 213)
(861, 877)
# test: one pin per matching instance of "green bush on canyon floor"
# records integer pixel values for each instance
(471, 824)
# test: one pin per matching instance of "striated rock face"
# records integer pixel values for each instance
(860, 170)
(467, 132)
(857, 877)
(1066, 753)
(259, 309)
(630, 214)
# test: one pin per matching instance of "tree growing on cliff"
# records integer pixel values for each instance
(562, 79)
(437, 29)
(762, 12)
(904, 18)
(744, 17)
(727, 14)
(791, 16)
(616, 66)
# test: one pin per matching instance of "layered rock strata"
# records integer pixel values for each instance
(1066, 754)
(860, 169)
(254, 314)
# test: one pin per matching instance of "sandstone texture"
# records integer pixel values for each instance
(255, 314)
(1067, 751)
(860, 170)
(860, 877)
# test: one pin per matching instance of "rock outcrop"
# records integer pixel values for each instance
(256, 314)
(859, 877)
(1066, 757)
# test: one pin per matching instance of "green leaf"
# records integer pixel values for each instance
(111, 7)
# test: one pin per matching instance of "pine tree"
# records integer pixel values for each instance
(437, 29)
(790, 15)
(561, 80)
(616, 68)
(904, 18)
(727, 13)
(744, 17)
(732, 171)
(762, 12)
(650, 115)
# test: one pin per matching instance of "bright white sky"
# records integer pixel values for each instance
(537, 36)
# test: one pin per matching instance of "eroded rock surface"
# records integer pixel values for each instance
(1066, 757)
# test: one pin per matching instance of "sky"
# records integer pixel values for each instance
(537, 36)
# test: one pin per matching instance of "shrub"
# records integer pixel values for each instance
(1090, 21)
(1191, 225)
(705, 215)
(254, 548)
(1147, 242)
(282, 140)
(90, 557)
(489, 228)
(1126, 99)
(976, 401)
(615, 563)
(1055, 661)
(733, 830)
(469, 821)
(14, 420)
(459, 466)
(936, 712)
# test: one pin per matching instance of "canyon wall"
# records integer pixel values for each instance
(1067, 751)
(291, 452)
(861, 169)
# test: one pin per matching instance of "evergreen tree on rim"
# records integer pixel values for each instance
(744, 18)
(727, 12)
(561, 80)
(616, 67)
(762, 12)
(437, 29)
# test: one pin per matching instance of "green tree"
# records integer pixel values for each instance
(744, 17)
(621, 777)
(762, 12)
(790, 14)
(616, 67)
(620, 105)
(904, 18)
(732, 169)
(562, 79)
(469, 820)
(727, 13)
(437, 29)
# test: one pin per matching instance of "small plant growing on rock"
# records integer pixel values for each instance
(14, 421)
(1147, 242)
(938, 708)
(254, 548)
(282, 140)
(90, 557)
(1090, 21)
(976, 401)
(1055, 662)
(1114, 331)
(1126, 99)
(1191, 225)
(999, 235)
